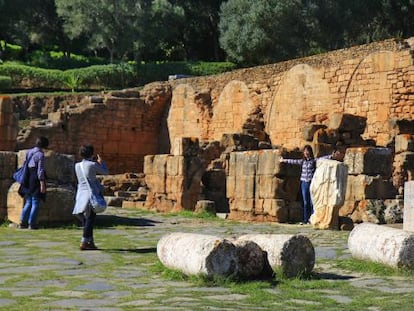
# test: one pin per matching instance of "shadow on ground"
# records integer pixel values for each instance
(331, 276)
(146, 250)
(113, 220)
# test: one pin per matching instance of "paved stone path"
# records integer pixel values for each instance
(44, 270)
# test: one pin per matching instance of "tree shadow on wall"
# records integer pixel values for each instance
(113, 220)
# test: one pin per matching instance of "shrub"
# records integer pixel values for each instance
(106, 76)
(58, 60)
(150, 72)
(5, 82)
(23, 76)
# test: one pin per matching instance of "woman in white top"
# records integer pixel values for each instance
(89, 168)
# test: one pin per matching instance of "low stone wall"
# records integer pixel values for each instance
(60, 188)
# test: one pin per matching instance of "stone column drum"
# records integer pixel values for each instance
(209, 255)
(293, 255)
(393, 247)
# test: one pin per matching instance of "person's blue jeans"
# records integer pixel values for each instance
(88, 224)
(30, 210)
(307, 201)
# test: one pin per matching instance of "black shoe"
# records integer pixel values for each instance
(21, 226)
(33, 227)
(87, 246)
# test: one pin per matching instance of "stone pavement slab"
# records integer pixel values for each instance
(45, 270)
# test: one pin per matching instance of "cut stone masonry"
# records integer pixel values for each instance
(362, 98)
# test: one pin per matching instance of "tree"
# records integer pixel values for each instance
(114, 25)
(200, 35)
(263, 31)
(164, 25)
(398, 17)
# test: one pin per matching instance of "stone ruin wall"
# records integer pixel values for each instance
(374, 81)
(276, 103)
(122, 126)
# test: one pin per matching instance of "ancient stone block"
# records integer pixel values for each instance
(56, 209)
(148, 164)
(60, 167)
(326, 136)
(404, 142)
(276, 208)
(369, 161)
(409, 206)
(268, 162)
(309, 130)
(174, 184)
(239, 142)
(245, 187)
(205, 206)
(401, 126)
(8, 164)
(362, 187)
(344, 122)
(175, 166)
(185, 146)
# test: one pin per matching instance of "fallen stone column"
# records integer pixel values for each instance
(209, 255)
(393, 247)
(293, 255)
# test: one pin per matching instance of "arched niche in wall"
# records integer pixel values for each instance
(184, 116)
(302, 97)
(232, 110)
(369, 94)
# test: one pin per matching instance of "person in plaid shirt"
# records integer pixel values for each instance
(308, 163)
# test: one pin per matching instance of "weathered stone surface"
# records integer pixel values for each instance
(401, 126)
(185, 146)
(239, 142)
(369, 161)
(393, 247)
(409, 206)
(344, 122)
(404, 142)
(8, 164)
(328, 189)
(309, 130)
(8, 124)
(198, 254)
(205, 206)
(250, 257)
(174, 182)
(293, 255)
(56, 209)
(4, 188)
(361, 187)
(254, 189)
(394, 211)
(59, 167)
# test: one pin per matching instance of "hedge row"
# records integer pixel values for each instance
(100, 77)
(5, 82)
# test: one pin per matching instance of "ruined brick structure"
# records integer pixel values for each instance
(283, 105)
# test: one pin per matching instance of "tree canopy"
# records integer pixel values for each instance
(244, 31)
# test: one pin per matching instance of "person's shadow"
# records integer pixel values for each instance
(113, 220)
(145, 250)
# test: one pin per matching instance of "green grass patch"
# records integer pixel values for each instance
(364, 266)
(191, 214)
